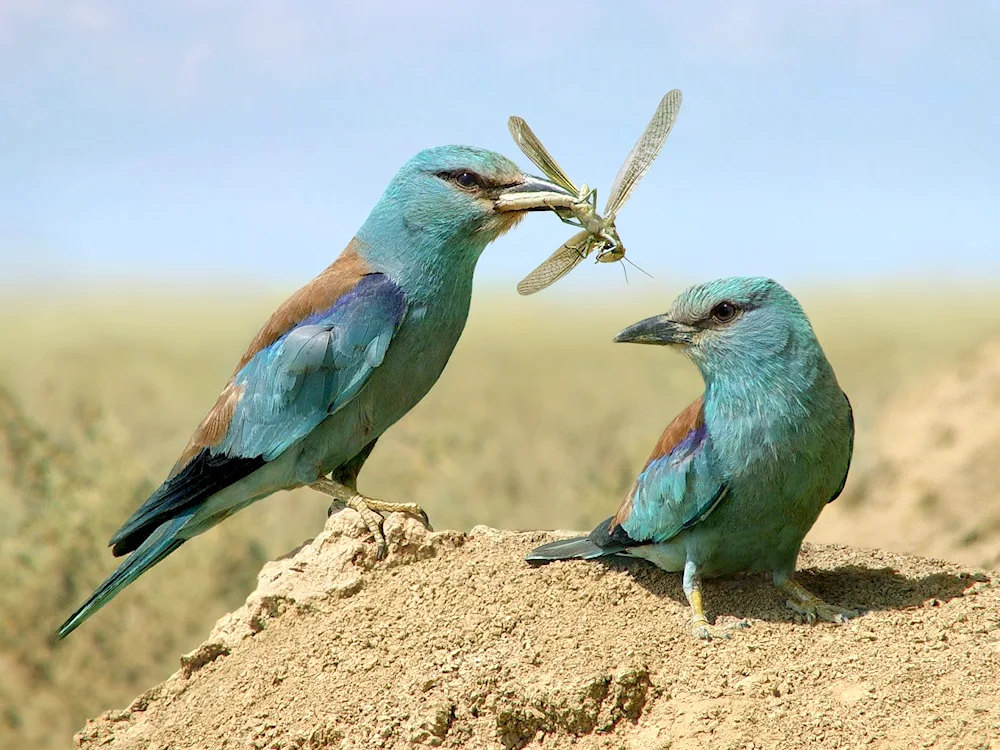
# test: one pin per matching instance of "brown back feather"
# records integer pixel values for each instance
(320, 294)
(691, 418)
(335, 281)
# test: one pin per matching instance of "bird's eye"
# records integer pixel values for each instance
(468, 179)
(724, 312)
(464, 178)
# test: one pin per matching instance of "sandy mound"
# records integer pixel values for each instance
(453, 641)
(933, 483)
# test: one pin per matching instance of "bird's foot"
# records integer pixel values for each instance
(701, 628)
(385, 507)
(369, 508)
(812, 607)
(705, 631)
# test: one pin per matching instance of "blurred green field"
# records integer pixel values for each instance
(539, 421)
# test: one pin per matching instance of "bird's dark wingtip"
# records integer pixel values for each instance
(576, 548)
(536, 561)
(203, 476)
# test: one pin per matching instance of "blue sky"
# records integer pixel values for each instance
(247, 140)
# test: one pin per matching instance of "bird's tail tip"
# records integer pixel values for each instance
(152, 551)
(104, 593)
(74, 621)
(576, 548)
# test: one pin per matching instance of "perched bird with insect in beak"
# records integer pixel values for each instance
(740, 476)
(339, 362)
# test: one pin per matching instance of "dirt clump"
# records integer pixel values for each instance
(453, 641)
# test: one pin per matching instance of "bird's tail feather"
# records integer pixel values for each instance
(577, 548)
(157, 546)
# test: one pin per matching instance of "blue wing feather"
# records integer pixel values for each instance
(288, 387)
(314, 370)
(675, 491)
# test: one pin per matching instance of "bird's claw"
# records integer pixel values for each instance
(812, 607)
(702, 630)
(369, 509)
(385, 507)
(706, 632)
(820, 610)
(422, 515)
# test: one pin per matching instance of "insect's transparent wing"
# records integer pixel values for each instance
(528, 142)
(561, 262)
(644, 152)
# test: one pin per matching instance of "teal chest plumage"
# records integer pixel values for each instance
(780, 467)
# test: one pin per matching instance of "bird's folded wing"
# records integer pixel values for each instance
(850, 449)
(287, 389)
(679, 486)
(281, 393)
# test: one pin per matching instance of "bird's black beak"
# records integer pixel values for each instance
(659, 330)
(533, 194)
